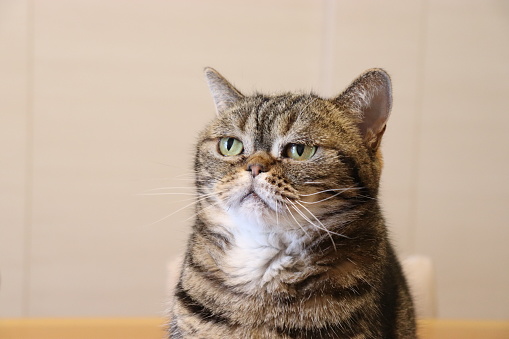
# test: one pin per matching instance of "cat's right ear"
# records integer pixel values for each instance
(223, 93)
(369, 97)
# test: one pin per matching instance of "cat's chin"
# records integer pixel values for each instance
(254, 200)
(254, 208)
(253, 203)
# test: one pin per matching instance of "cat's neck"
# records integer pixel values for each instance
(259, 253)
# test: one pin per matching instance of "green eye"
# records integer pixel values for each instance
(300, 152)
(230, 146)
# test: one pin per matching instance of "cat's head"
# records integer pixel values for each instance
(284, 161)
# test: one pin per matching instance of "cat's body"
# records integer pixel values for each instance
(289, 240)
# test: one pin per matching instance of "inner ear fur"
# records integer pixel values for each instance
(224, 94)
(369, 97)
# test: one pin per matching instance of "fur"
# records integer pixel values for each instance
(290, 248)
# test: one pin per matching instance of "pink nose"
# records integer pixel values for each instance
(259, 162)
(256, 169)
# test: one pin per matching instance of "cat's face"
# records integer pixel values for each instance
(281, 162)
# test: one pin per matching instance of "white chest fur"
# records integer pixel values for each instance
(258, 255)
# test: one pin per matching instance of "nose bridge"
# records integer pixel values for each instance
(259, 162)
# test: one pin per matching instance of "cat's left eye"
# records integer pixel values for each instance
(300, 151)
(230, 146)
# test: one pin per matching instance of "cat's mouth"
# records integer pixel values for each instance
(253, 198)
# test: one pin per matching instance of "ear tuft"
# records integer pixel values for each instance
(223, 93)
(370, 97)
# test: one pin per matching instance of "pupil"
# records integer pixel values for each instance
(299, 149)
(229, 143)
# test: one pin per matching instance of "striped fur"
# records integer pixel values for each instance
(295, 249)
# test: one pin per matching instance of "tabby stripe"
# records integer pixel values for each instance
(211, 277)
(196, 266)
(356, 291)
(344, 209)
(390, 298)
(292, 118)
(243, 116)
(347, 292)
(261, 116)
(354, 201)
(324, 242)
(266, 115)
(343, 329)
(284, 104)
(364, 191)
(264, 107)
(260, 107)
(217, 239)
(243, 121)
(209, 199)
(196, 308)
(206, 274)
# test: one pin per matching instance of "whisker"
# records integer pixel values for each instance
(203, 209)
(284, 213)
(298, 223)
(181, 200)
(303, 215)
(167, 193)
(322, 200)
(322, 228)
(313, 215)
(367, 196)
(184, 174)
(170, 188)
(205, 196)
(341, 190)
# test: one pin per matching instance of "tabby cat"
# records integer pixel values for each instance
(289, 240)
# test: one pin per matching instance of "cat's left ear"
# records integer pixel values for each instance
(223, 93)
(370, 97)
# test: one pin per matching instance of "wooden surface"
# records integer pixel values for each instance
(153, 328)
(463, 329)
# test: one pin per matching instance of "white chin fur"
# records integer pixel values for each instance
(264, 244)
(262, 248)
(259, 254)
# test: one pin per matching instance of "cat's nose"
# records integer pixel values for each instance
(256, 169)
(259, 162)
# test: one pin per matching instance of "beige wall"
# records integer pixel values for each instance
(100, 101)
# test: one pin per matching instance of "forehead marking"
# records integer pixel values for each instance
(277, 118)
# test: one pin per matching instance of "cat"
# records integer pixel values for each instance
(289, 240)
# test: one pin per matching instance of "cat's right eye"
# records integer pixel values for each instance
(300, 152)
(230, 146)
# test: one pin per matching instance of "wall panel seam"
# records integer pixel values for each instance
(29, 159)
(326, 66)
(417, 131)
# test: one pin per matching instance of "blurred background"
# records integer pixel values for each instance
(100, 102)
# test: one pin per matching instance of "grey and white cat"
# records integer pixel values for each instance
(289, 240)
